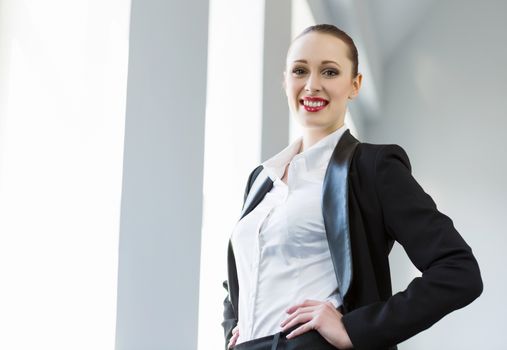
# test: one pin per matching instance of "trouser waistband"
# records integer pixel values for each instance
(311, 340)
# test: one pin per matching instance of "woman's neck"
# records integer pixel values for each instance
(312, 136)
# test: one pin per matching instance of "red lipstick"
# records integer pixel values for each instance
(313, 103)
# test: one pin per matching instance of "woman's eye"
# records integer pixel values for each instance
(330, 73)
(298, 71)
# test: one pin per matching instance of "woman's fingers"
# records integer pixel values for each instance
(322, 317)
(234, 338)
(296, 313)
(307, 302)
(307, 314)
(301, 317)
(301, 329)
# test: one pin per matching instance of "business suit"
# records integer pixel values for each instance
(369, 200)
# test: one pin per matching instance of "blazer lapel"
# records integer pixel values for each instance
(336, 212)
(262, 185)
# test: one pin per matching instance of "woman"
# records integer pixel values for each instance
(308, 260)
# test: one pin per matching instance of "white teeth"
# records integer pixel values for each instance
(313, 104)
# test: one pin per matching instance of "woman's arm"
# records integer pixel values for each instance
(450, 278)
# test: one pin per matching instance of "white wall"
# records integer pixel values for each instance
(445, 104)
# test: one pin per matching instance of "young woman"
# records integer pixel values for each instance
(308, 260)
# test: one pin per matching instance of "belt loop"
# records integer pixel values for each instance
(275, 341)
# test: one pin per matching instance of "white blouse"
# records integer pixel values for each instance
(281, 250)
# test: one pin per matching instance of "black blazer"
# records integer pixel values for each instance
(370, 199)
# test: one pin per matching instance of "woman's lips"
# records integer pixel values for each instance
(314, 108)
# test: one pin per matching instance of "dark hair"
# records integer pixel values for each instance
(340, 34)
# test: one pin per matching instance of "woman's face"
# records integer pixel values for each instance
(318, 81)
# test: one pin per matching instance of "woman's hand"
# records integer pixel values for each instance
(235, 335)
(321, 316)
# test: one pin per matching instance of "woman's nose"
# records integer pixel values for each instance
(313, 83)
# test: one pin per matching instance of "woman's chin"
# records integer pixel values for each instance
(310, 122)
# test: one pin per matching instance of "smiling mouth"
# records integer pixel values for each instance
(313, 106)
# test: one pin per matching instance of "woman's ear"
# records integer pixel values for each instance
(356, 85)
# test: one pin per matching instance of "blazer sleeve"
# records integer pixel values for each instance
(229, 318)
(450, 278)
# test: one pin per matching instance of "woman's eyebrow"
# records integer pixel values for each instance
(323, 62)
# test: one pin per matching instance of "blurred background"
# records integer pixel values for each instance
(128, 130)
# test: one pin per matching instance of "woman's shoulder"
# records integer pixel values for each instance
(371, 154)
(376, 147)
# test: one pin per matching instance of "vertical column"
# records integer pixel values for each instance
(275, 112)
(160, 234)
(233, 145)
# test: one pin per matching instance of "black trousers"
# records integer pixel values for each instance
(311, 340)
